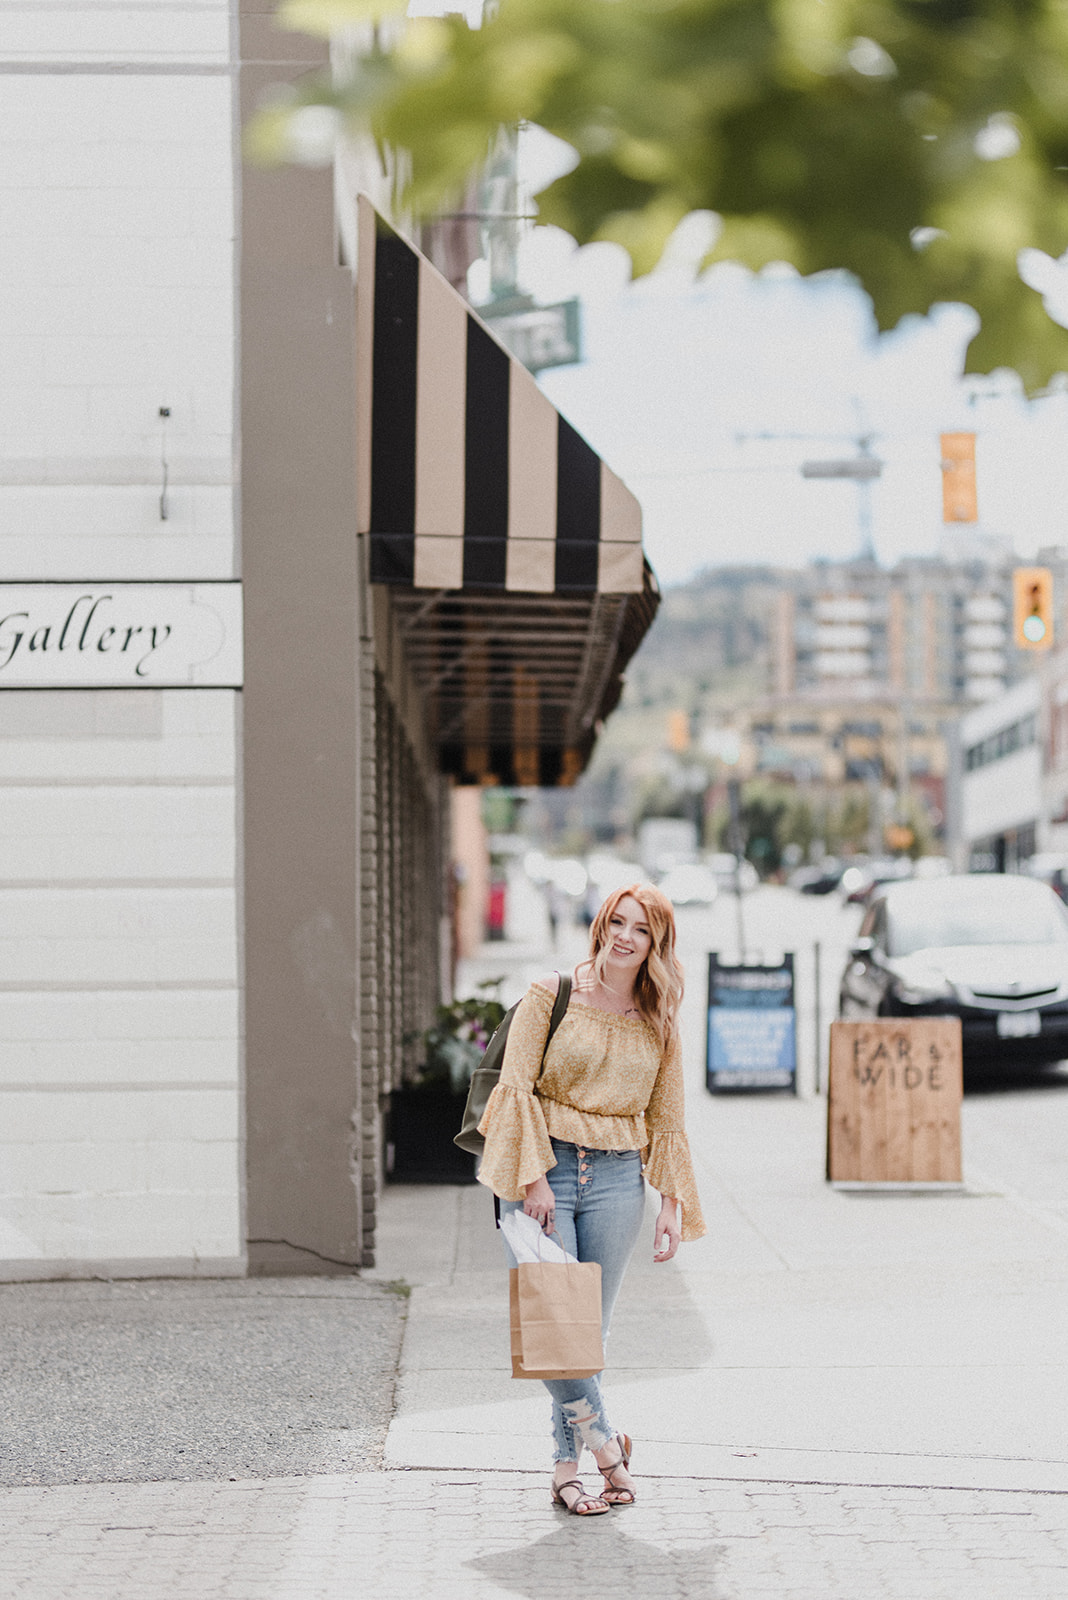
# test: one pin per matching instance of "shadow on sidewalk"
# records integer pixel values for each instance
(625, 1565)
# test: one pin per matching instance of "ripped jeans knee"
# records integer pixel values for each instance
(578, 1414)
(580, 1422)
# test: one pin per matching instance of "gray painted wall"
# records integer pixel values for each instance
(301, 713)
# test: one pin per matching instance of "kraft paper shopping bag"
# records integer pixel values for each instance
(556, 1319)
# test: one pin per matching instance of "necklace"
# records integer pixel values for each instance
(624, 1011)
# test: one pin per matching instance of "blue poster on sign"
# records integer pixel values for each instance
(752, 1037)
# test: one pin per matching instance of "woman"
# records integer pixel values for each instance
(568, 1142)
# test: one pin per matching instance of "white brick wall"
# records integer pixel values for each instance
(156, 831)
(120, 1081)
(120, 1086)
(117, 936)
(98, 33)
(128, 736)
(131, 1037)
(116, 263)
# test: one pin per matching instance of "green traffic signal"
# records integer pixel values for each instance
(1032, 605)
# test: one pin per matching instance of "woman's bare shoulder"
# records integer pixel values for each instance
(551, 982)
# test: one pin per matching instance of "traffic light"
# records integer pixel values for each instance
(959, 503)
(678, 731)
(898, 836)
(1032, 608)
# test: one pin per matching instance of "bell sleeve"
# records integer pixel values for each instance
(668, 1167)
(518, 1149)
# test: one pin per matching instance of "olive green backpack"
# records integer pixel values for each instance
(485, 1076)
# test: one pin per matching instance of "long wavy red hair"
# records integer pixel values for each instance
(658, 987)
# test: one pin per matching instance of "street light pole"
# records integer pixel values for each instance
(863, 469)
(736, 842)
(903, 786)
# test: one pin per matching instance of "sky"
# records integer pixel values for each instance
(706, 394)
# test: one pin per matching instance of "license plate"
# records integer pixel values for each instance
(1018, 1024)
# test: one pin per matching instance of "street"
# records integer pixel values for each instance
(774, 921)
(842, 1396)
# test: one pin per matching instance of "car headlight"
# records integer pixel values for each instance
(921, 991)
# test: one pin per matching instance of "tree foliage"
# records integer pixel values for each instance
(919, 144)
(776, 815)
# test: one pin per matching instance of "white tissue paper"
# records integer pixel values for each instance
(529, 1242)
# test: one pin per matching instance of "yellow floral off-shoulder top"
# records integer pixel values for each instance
(606, 1084)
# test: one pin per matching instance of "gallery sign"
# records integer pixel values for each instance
(121, 636)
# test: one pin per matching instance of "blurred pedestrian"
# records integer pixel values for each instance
(573, 1131)
(555, 910)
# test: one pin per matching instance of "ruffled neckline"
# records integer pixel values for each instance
(597, 1011)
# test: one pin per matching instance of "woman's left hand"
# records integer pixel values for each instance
(540, 1203)
(668, 1235)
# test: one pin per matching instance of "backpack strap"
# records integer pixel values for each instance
(563, 995)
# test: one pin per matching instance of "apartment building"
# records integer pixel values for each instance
(923, 630)
(1010, 794)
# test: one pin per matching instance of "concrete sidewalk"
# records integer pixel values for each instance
(833, 1396)
(451, 1536)
(813, 1336)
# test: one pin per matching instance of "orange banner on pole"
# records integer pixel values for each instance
(959, 500)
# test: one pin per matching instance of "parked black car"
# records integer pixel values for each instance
(990, 949)
(823, 879)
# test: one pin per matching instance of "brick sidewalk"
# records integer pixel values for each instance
(476, 1536)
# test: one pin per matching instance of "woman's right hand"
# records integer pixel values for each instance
(540, 1203)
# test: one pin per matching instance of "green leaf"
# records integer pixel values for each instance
(267, 137)
(822, 132)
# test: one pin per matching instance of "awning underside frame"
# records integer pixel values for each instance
(516, 686)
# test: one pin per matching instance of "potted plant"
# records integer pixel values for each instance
(425, 1112)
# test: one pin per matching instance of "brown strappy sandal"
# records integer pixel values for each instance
(620, 1496)
(597, 1506)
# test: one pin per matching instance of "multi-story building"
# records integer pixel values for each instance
(872, 668)
(835, 740)
(241, 399)
(997, 806)
(1009, 789)
(923, 630)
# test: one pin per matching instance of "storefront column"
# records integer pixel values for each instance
(302, 798)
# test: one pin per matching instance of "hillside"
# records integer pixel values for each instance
(707, 653)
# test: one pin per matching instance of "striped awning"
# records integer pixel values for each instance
(513, 553)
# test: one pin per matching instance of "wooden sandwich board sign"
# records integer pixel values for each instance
(893, 1106)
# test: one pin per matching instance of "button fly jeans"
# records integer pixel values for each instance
(600, 1200)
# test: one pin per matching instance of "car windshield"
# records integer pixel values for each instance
(986, 911)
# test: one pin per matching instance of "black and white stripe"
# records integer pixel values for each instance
(468, 477)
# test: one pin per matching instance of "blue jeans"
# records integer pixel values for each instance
(600, 1199)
